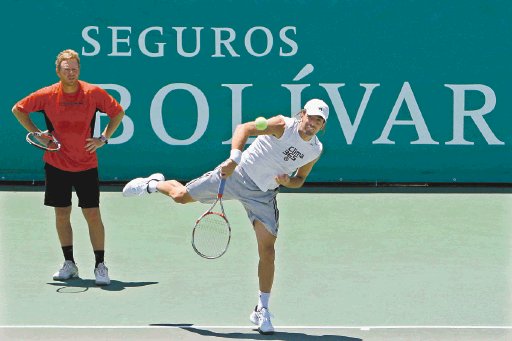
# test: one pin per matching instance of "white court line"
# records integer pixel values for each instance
(184, 326)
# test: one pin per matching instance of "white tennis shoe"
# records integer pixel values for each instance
(68, 270)
(261, 318)
(101, 273)
(139, 186)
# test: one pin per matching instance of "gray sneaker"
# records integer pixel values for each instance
(139, 186)
(68, 270)
(101, 273)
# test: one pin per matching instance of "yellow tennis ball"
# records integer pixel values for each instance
(261, 123)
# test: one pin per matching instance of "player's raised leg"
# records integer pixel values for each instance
(177, 191)
(139, 186)
(156, 183)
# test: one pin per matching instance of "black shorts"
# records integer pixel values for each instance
(59, 186)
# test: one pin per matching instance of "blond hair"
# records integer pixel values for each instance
(67, 55)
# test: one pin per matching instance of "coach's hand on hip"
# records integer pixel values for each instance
(93, 143)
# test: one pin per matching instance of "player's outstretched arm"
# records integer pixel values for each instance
(275, 126)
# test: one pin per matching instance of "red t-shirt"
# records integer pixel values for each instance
(70, 117)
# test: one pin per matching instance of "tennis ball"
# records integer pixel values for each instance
(261, 123)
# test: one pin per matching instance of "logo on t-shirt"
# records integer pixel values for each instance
(292, 153)
(67, 104)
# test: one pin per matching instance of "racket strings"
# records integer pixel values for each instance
(43, 140)
(211, 235)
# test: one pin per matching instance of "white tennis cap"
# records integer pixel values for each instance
(317, 107)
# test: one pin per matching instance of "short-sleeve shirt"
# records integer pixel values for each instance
(70, 118)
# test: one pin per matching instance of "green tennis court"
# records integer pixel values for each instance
(350, 266)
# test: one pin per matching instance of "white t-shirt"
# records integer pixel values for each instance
(269, 156)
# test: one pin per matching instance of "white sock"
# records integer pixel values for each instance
(152, 186)
(263, 300)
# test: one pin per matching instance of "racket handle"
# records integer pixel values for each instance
(221, 188)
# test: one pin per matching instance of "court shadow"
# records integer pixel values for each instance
(286, 336)
(78, 285)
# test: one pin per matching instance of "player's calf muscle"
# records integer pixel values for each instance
(175, 190)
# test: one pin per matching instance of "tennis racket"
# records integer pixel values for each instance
(43, 140)
(212, 232)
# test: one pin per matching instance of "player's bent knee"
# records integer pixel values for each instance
(182, 197)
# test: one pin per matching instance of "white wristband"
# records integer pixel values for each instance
(236, 155)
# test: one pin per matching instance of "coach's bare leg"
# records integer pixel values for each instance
(266, 251)
(63, 224)
(175, 190)
(96, 228)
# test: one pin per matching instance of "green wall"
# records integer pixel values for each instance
(419, 91)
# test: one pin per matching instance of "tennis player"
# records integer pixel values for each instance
(69, 109)
(283, 154)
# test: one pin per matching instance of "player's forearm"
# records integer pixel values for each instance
(299, 178)
(295, 182)
(237, 146)
(24, 120)
(240, 137)
(113, 124)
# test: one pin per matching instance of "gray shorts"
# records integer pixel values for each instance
(259, 205)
